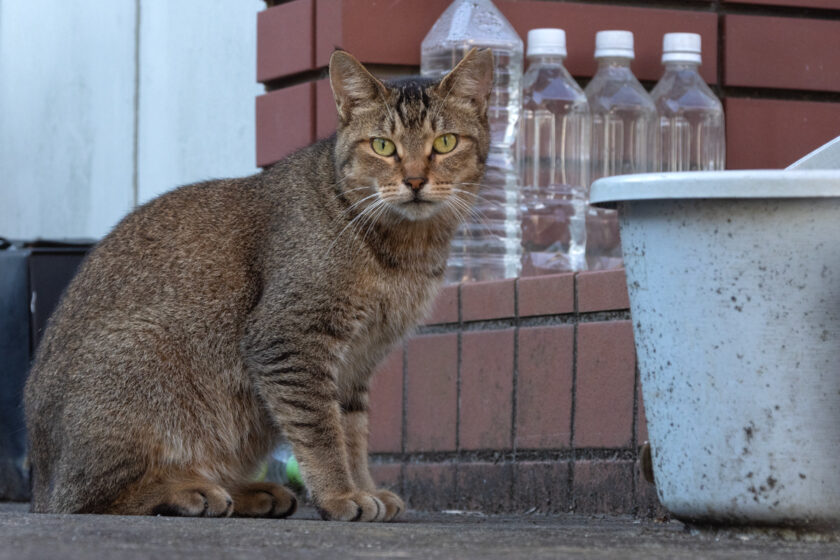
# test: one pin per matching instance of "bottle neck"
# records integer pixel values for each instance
(555, 59)
(615, 65)
(614, 62)
(681, 66)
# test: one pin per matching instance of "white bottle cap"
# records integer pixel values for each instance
(614, 43)
(681, 47)
(546, 41)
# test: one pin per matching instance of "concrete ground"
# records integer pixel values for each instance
(416, 535)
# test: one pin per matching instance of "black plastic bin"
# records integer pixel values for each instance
(33, 275)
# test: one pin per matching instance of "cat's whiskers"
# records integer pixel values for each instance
(480, 216)
(365, 220)
(361, 215)
(375, 215)
(358, 202)
(463, 209)
(342, 193)
(341, 181)
(476, 195)
(372, 213)
(459, 211)
(473, 198)
(369, 213)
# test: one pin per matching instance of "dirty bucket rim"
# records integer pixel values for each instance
(739, 184)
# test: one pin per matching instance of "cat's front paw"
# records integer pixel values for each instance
(355, 506)
(393, 504)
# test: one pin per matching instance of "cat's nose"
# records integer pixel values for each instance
(415, 183)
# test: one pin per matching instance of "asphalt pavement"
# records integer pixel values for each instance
(468, 535)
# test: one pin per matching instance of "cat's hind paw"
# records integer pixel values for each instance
(356, 506)
(263, 499)
(204, 500)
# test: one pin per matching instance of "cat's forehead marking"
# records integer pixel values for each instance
(411, 101)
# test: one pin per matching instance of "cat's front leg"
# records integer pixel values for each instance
(356, 436)
(320, 448)
(295, 378)
(312, 422)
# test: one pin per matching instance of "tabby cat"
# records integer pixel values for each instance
(225, 316)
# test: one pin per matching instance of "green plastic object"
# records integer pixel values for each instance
(282, 467)
(293, 473)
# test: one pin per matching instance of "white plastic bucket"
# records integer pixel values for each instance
(734, 281)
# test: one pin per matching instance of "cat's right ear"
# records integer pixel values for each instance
(352, 84)
(471, 79)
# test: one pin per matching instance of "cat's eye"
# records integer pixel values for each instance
(383, 147)
(445, 143)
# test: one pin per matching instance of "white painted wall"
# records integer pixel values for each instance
(85, 134)
(66, 114)
(197, 91)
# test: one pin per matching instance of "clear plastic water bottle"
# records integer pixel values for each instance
(624, 137)
(553, 160)
(488, 245)
(691, 123)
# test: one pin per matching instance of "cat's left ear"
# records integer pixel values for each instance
(352, 84)
(471, 79)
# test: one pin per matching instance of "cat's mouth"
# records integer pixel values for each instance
(418, 208)
(417, 198)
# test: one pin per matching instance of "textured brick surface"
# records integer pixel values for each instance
(386, 405)
(285, 42)
(801, 55)
(646, 501)
(582, 21)
(603, 290)
(787, 131)
(487, 300)
(431, 393)
(429, 486)
(284, 122)
(375, 32)
(390, 33)
(605, 381)
(603, 486)
(546, 295)
(326, 116)
(544, 388)
(387, 475)
(543, 485)
(445, 308)
(486, 389)
(485, 487)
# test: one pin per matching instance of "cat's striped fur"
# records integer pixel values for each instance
(223, 316)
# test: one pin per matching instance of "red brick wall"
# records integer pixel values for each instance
(774, 62)
(516, 394)
(523, 394)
